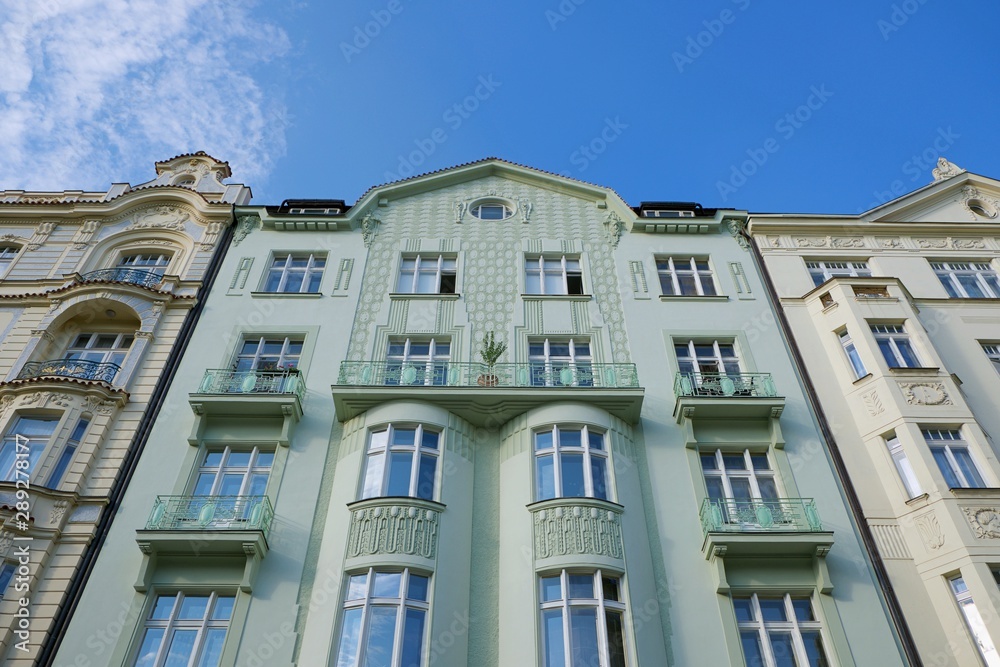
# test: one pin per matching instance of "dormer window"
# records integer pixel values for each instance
(667, 213)
(314, 211)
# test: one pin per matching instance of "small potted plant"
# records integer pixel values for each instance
(491, 352)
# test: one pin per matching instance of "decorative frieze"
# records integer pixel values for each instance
(985, 521)
(925, 393)
(160, 217)
(400, 527)
(577, 528)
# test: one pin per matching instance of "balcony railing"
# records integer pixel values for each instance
(748, 516)
(466, 374)
(225, 381)
(80, 369)
(717, 384)
(211, 513)
(140, 277)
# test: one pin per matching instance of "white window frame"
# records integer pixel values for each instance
(948, 440)
(853, 356)
(68, 452)
(477, 210)
(717, 357)
(983, 273)
(585, 449)
(14, 442)
(375, 476)
(974, 621)
(750, 473)
(598, 603)
(400, 603)
(8, 253)
(434, 364)
(107, 355)
(893, 333)
(286, 359)
(992, 351)
(281, 265)
(568, 266)
(171, 624)
(143, 261)
(425, 263)
(580, 364)
(792, 626)
(822, 270)
(906, 473)
(670, 268)
(253, 468)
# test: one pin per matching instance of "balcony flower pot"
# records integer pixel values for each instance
(491, 352)
(488, 380)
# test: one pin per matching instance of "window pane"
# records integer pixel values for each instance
(686, 281)
(357, 587)
(616, 639)
(545, 481)
(609, 588)
(744, 609)
(417, 588)
(768, 489)
(223, 608)
(890, 356)
(772, 609)
(760, 462)
(431, 439)
(573, 485)
(552, 634)
(193, 607)
(781, 646)
(583, 636)
(814, 648)
(425, 477)
(803, 610)
(543, 440)
(551, 589)
(399, 474)
(373, 475)
(181, 647)
(211, 652)
(386, 584)
(570, 438)
(741, 488)
(381, 631)
(532, 284)
(599, 475)
(404, 436)
(554, 283)
(596, 441)
(968, 468)
(164, 605)
(752, 651)
(150, 645)
(350, 636)
(950, 478)
(716, 491)
(581, 586)
(413, 638)
(907, 353)
(734, 462)
(426, 282)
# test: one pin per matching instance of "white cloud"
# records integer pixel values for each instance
(95, 91)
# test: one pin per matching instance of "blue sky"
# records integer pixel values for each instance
(767, 106)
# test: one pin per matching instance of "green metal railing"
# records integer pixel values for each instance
(465, 374)
(739, 516)
(211, 513)
(725, 385)
(224, 381)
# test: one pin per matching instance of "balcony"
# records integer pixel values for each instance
(80, 369)
(731, 396)
(759, 528)
(196, 526)
(139, 277)
(253, 392)
(483, 394)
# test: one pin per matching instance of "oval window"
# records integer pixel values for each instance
(982, 209)
(492, 211)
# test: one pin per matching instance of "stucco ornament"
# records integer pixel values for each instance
(614, 227)
(737, 227)
(945, 169)
(160, 217)
(460, 208)
(968, 244)
(925, 393)
(393, 529)
(891, 243)
(930, 530)
(568, 530)
(245, 224)
(873, 403)
(524, 206)
(848, 242)
(812, 242)
(985, 521)
(369, 228)
(41, 235)
(932, 243)
(85, 234)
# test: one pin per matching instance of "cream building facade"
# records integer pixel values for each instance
(896, 313)
(95, 288)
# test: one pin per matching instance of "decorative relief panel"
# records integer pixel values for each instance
(925, 393)
(160, 217)
(985, 521)
(573, 527)
(930, 530)
(812, 242)
(873, 403)
(402, 528)
(41, 235)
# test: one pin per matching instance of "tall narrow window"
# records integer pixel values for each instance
(895, 345)
(68, 452)
(571, 463)
(295, 273)
(583, 620)
(903, 466)
(558, 362)
(146, 262)
(779, 631)
(851, 351)
(417, 362)
(427, 274)
(821, 271)
(384, 620)
(25, 440)
(402, 461)
(7, 255)
(974, 620)
(992, 351)
(185, 630)
(268, 354)
(968, 280)
(952, 455)
(552, 275)
(685, 276)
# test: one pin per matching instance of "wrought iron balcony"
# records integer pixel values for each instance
(225, 381)
(752, 516)
(465, 374)
(723, 385)
(80, 369)
(140, 277)
(214, 513)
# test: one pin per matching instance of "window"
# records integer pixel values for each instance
(102, 348)
(895, 344)
(68, 451)
(821, 271)
(492, 211)
(314, 211)
(268, 354)
(384, 622)
(185, 631)
(234, 472)
(571, 463)
(992, 351)
(427, 274)
(968, 280)
(560, 363)
(954, 459)
(402, 461)
(974, 620)
(851, 351)
(295, 273)
(422, 362)
(583, 620)
(666, 213)
(740, 476)
(552, 275)
(7, 571)
(7, 255)
(707, 358)
(154, 263)
(903, 466)
(780, 630)
(685, 276)
(28, 438)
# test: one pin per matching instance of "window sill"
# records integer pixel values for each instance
(861, 379)
(556, 297)
(396, 500)
(287, 295)
(918, 501)
(916, 370)
(873, 300)
(693, 297)
(430, 297)
(975, 492)
(599, 503)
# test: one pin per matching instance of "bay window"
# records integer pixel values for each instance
(571, 462)
(402, 461)
(582, 619)
(954, 460)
